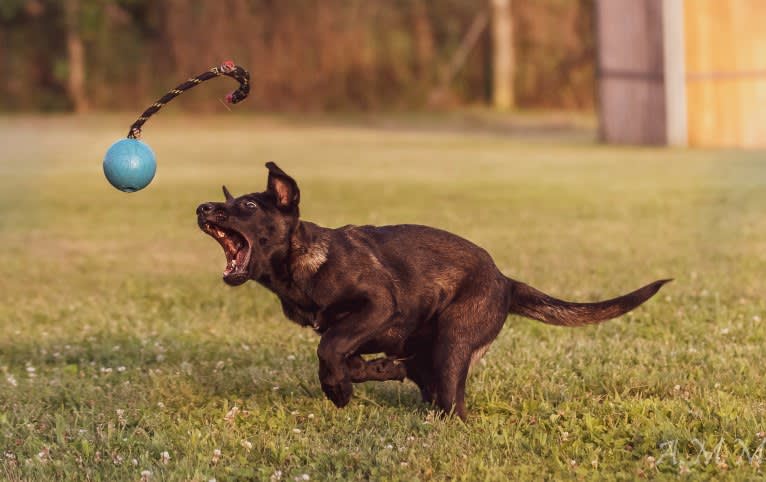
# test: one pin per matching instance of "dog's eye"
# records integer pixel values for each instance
(251, 205)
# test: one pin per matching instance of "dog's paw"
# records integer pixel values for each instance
(339, 394)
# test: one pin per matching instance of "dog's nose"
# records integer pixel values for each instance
(205, 208)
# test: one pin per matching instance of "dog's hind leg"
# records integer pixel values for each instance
(465, 330)
(420, 369)
(452, 361)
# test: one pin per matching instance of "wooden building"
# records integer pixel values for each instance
(682, 72)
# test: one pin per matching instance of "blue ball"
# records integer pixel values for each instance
(129, 165)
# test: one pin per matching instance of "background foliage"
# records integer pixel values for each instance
(303, 54)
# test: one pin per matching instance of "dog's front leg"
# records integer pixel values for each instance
(342, 340)
(378, 369)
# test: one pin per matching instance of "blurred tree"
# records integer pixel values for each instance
(30, 55)
(75, 56)
(303, 54)
(422, 33)
(440, 95)
(556, 51)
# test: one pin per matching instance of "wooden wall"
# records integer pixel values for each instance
(726, 72)
(631, 93)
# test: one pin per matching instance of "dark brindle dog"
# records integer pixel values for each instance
(430, 300)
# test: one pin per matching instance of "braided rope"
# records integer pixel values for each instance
(228, 68)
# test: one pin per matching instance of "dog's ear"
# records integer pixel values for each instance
(284, 187)
(227, 194)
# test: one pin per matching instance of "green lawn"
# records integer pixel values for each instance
(119, 342)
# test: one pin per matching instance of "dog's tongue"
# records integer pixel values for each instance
(237, 262)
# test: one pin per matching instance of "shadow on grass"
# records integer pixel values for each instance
(74, 370)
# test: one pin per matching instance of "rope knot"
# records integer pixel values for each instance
(228, 66)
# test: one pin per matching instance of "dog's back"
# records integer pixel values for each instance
(428, 267)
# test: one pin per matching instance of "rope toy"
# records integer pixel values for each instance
(130, 164)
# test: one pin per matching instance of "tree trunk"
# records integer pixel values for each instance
(75, 58)
(424, 40)
(503, 55)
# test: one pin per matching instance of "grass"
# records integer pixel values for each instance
(119, 342)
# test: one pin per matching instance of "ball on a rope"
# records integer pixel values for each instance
(129, 165)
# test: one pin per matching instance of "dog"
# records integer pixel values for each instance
(429, 300)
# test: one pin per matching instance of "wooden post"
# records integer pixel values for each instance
(631, 86)
(675, 72)
(503, 55)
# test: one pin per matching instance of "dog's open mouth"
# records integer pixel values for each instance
(237, 250)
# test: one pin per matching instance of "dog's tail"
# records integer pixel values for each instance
(529, 302)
